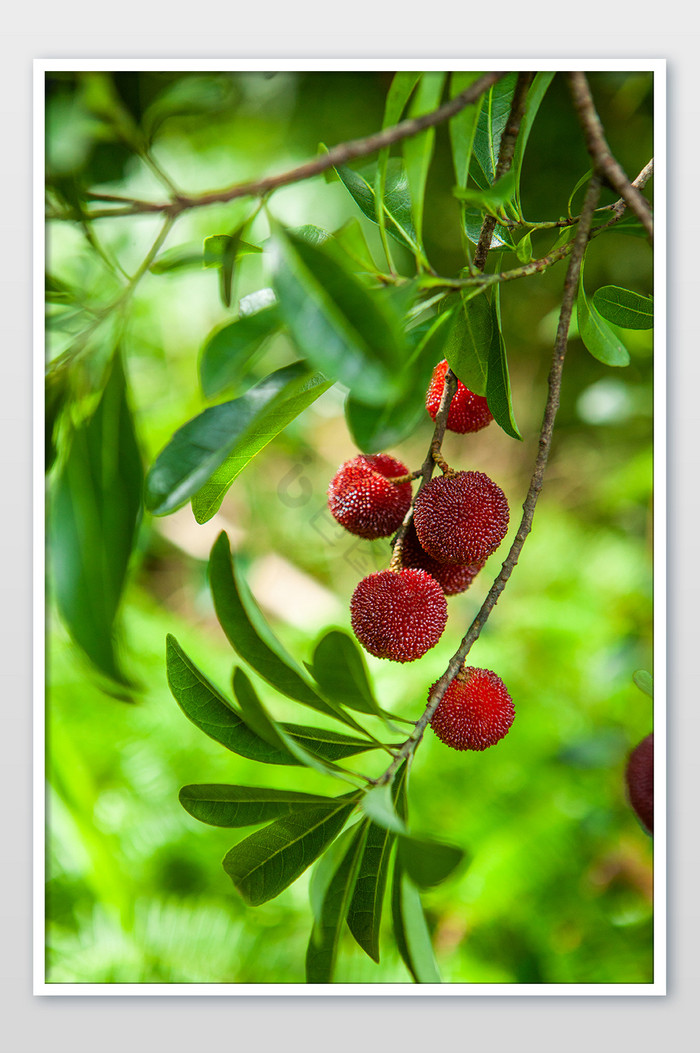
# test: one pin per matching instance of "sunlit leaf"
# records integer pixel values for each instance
(323, 944)
(597, 336)
(411, 930)
(622, 307)
(228, 351)
(206, 454)
(233, 806)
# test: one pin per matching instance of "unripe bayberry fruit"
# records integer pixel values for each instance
(639, 776)
(475, 712)
(468, 412)
(398, 614)
(461, 518)
(453, 578)
(362, 499)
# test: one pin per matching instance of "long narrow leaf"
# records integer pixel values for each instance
(322, 950)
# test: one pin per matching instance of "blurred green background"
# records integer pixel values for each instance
(559, 889)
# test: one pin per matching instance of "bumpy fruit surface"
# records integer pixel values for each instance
(639, 777)
(475, 712)
(398, 614)
(362, 499)
(461, 518)
(468, 412)
(453, 578)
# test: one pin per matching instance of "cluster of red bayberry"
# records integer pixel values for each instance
(459, 519)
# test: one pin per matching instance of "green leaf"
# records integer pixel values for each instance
(184, 257)
(209, 710)
(351, 239)
(397, 199)
(323, 945)
(492, 198)
(339, 668)
(365, 914)
(206, 454)
(336, 321)
(596, 334)
(254, 641)
(582, 182)
(535, 95)
(418, 149)
(428, 862)
(624, 308)
(268, 861)
(373, 428)
(462, 126)
(644, 682)
(498, 380)
(220, 804)
(228, 350)
(411, 930)
(258, 720)
(95, 509)
(523, 249)
(491, 123)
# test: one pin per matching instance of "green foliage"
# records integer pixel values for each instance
(290, 311)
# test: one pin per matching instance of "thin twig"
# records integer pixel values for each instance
(598, 148)
(340, 154)
(506, 151)
(545, 442)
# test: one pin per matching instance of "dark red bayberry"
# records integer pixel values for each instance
(475, 712)
(362, 499)
(452, 577)
(639, 776)
(468, 412)
(461, 518)
(398, 614)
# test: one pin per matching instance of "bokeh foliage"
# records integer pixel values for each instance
(558, 886)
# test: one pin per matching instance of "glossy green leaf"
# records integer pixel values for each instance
(95, 508)
(498, 380)
(397, 199)
(428, 862)
(339, 668)
(378, 804)
(209, 710)
(418, 149)
(622, 307)
(411, 930)
(597, 336)
(351, 239)
(492, 119)
(268, 861)
(644, 682)
(229, 349)
(336, 321)
(206, 454)
(220, 804)
(322, 950)
(462, 126)
(365, 910)
(254, 641)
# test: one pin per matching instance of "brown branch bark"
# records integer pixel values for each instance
(340, 154)
(545, 442)
(506, 151)
(597, 146)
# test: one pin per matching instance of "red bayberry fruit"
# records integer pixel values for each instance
(461, 518)
(363, 500)
(398, 614)
(639, 776)
(475, 712)
(452, 577)
(468, 412)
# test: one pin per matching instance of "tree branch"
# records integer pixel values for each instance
(505, 157)
(340, 154)
(598, 148)
(545, 442)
